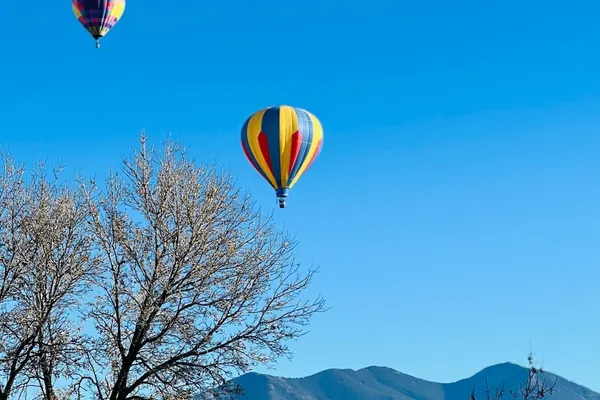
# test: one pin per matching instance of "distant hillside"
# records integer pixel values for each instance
(380, 383)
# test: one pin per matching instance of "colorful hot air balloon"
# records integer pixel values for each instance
(281, 142)
(98, 16)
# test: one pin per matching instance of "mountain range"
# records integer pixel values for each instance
(381, 383)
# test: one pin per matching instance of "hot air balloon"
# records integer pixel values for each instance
(281, 143)
(98, 16)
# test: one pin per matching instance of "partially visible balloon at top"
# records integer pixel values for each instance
(98, 17)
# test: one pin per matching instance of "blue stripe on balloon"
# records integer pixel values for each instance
(270, 126)
(305, 127)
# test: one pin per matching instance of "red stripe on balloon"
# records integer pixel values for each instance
(296, 140)
(263, 143)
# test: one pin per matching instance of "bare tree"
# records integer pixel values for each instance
(196, 284)
(58, 279)
(14, 349)
(45, 241)
(534, 388)
(497, 395)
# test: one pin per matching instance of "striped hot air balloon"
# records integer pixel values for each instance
(281, 143)
(98, 17)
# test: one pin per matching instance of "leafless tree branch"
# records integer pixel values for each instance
(534, 388)
(45, 253)
(196, 285)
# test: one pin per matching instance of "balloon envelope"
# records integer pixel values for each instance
(281, 143)
(98, 17)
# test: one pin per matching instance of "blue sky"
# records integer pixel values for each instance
(454, 208)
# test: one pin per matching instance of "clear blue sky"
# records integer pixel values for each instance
(454, 210)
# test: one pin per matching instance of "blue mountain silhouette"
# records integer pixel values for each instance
(381, 383)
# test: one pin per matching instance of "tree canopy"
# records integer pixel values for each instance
(163, 282)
